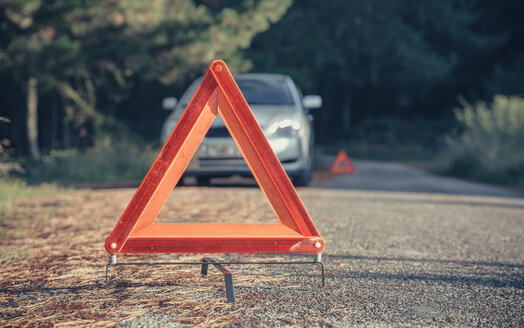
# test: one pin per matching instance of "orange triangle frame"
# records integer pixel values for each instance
(342, 164)
(136, 231)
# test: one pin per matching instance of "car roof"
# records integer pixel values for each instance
(261, 76)
(254, 76)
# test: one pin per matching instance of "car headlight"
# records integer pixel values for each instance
(284, 128)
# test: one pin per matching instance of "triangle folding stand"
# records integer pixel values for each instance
(136, 231)
(342, 164)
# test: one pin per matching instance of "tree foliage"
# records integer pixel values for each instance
(376, 58)
(103, 66)
(91, 53)
(490, 142)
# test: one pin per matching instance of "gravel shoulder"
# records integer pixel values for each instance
(425, 251)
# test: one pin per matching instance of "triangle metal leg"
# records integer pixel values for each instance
(228, 278)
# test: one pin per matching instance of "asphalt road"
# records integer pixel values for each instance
(384, 176)
(404, 248)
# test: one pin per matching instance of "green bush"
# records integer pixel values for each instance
(490, 143)
(393, 139)
(105, 162)
(11, 190)
(398, 132)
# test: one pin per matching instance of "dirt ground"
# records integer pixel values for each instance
(393, 258)
(53, 270)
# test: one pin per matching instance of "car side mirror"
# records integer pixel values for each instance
(312, 101)
(169, 103)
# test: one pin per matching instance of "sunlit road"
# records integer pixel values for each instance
(383, 176)
(404, 248)
(414, 248)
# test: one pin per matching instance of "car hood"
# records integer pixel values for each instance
(264, 114)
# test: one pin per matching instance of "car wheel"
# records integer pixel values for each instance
(304, 178)
(301, 180)
(203, 181)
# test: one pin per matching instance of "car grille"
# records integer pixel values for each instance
(218, 132)
(230, 162)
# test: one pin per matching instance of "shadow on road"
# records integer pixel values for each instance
(504, 275)
(449, 202)
(510, 280)
(406, 259)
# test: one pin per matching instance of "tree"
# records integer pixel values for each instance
(370, 58)
(91, 53)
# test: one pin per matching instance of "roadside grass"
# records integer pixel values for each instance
(104, 162)
(489, 142)
(12, 190)
(15, 224)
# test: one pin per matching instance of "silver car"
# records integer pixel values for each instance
(283, 115)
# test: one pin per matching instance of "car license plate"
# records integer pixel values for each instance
(220, 151)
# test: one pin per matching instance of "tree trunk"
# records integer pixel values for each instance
(32, 118)
(346, 116)
(55, 122)
(66, 135)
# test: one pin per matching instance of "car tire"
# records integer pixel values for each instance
(203, 181)
(304, 178)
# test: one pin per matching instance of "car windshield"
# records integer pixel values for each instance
(257, 91)
(265, 91)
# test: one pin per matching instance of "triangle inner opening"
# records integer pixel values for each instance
(136, 231)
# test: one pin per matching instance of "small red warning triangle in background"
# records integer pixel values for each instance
(342, 164)
(218, 95)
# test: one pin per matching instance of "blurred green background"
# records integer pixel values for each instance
(433, 83)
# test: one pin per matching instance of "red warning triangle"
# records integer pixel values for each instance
(136, 231)
(342, 164)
